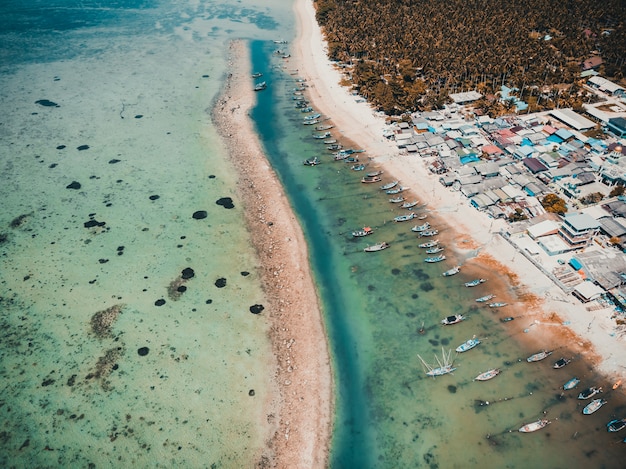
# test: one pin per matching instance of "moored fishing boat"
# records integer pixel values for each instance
(589, 393)
(330, 141)
(334, 147)
(429, 244)
(452, 271)
(260, 86)
(374, 173)
(560, 363)
(409, 204)
(475, 282)
(324, 127)
(428, 233)
(534, 426)
(357, 167)
(421, 228)
(370, 179)
(422, 217)
(311, 161)
(389, 185)
(407, 217)
(487, 375)
(468, 345)
(434, 259)
(321, 136)
(539, 356)
(397, 200)
(306, 109)
(364, 232)
(485, 298)
(593, 406)
(497, 304)
(454, 319)
(312, 116)
(376, 247)
(434, 250)
(311, 122)
(396, 190)
(444, 366)
(571, 384)
(616, 425)
(257, 75)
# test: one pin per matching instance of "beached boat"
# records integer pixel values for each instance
(351, 159)
(317, 115)
(484, 299)
(560, 363)
(507, 319)
(429, 244)
(396, 190)
(434, 250)
(389, 185)
(428, 233)
(330, 141)
(468, 345)
(374, 173)
(534, 426)
(364, 232)
(497, 304)
(306, 109)
(487, 375)
(410, 204)
(407, 217)
(370, 179)
(589, 393)
(311, 161)
(434, 259)
(444, 365)
(475, 282)
(334, 147)
(539, 356)
(357, 167)
(421, 228)
(616, 425)
(455, 319)
(593, 406)
(311, 122)
(324, 127)
(377, 247)
(260, 86)
(452, 271)
(422, 217)
(617, 384)
(571, 384)
(321, 136)
(397, 200)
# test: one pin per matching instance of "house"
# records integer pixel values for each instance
(578, 229)
(587, 291)
(534, 165)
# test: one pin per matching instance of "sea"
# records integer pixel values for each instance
(129, 294)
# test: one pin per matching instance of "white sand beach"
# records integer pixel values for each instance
(557, 319)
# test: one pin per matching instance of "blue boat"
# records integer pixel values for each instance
(438, 258)
(468, 345)
(571, 384)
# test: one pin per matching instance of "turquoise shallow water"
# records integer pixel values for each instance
(389, 414)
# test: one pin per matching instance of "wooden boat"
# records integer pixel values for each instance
(497, 304)
(534, 426)
(320, 136)
(484, 299)
(389, 185)
(396, 190)
(407, 217)
(428, 233)
(589, 393)
(421, 228)
(487, 375)
(370, 179)
(571, 384)
(616, 425)
(409, 204)
(560, 363)
(377, 247)
(312, 161)
(452, 271)
(364, 232)
(257, 75)
(539, 356)
(260, 86)
(357, 167)
(475, 282)
(434, 250)
(438, 258)
(429, 244)
(324, 127)
(468, 345)
(397, 200)
(455, 319)
(617, 384)
(593, 406)
(444, 366)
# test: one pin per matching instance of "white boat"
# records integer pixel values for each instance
(407, 217)
(428, 233)
(389, 185)
(434, 259)
(487, 375)
(444, 366)
(397, 200)
(434, 250)
(468, 345)
(366, 231)
(485, 298)
(429, 244)
(260, 86)
(497, 304)
(534, 426)
(420, 228)
(452, 271)
(560, 363)
(409, 204)
(396, 190)
(616, 425)
(593, 406)
(454, 319)
(377, 247)
(539, 356)
(475, 282)
(589, 393)
(571, 384)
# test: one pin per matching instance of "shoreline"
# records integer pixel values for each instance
(552, 319)
(299, 418)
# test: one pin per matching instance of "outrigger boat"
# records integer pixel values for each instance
(475, 282)
(434, 250)
(455, 319)
(311, 161)
(438, 258)
(370, 179)
(405, 217)
(421, 228)
(616, 425)
(410, 204)
(429, 244)
(589, 393)
(428, 233)
(539, 356)
(452, 271)
(364, 232)
(485, 298)
(593, 406)
(468, 345)
(497, 304)
(487, 375)
(445, 365)
(377, 247)
(389, 185)
(571, 384)
(560, 363)
(534, 426)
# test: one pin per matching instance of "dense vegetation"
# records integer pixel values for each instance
(411, 54)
